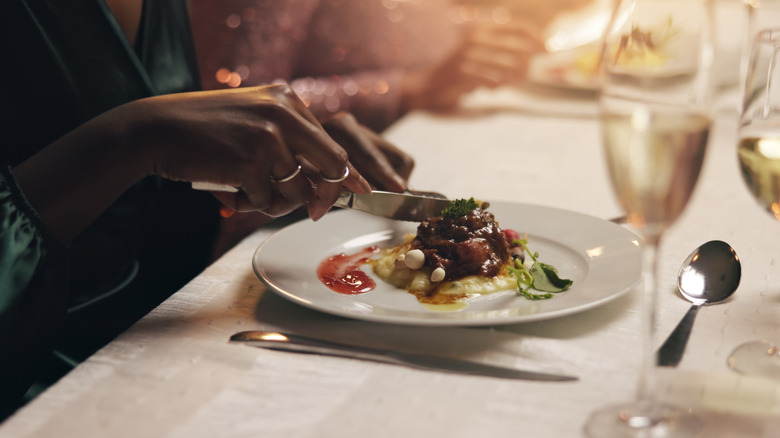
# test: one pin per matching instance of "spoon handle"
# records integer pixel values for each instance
(671, 352)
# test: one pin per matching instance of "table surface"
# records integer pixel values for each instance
(173, 374)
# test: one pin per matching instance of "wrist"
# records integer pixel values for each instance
(73, 180)
(128, 133)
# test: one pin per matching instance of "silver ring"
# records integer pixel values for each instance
(288, 177)
(336, 180)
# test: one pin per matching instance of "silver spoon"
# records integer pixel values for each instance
(708, 276)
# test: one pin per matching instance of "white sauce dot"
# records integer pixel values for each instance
(414, 259)
(437, 275)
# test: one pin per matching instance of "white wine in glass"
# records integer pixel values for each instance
(655, 102)
(759, 159)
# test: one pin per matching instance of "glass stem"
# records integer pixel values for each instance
(646, 395)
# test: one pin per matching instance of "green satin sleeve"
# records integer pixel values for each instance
(33, 279)
(21, 247)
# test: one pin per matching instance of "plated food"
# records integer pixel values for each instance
(459, 254)
(602, 259)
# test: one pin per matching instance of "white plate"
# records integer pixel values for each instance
(559, 69)
(603, 260)
(578, 27)
(572, 36)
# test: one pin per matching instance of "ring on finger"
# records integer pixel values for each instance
(336, 180)
(292, 175)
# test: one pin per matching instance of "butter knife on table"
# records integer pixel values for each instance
(300, 344)
(406, 206)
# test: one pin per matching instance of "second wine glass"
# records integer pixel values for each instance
(655, 100)
(759, 158)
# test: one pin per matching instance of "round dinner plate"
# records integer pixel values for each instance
(603, 260)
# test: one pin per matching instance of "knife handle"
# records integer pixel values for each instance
(211, 187)
(344, 199)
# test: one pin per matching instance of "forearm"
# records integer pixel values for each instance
(72, 181)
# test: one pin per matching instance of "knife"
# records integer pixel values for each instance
(300, 344)
(406, 206)
(410, 206)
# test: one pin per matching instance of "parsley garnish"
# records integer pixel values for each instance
(460, 207)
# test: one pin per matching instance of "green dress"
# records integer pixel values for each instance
(64, 62)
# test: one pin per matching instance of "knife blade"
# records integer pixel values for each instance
(301, 344)
(406, 206)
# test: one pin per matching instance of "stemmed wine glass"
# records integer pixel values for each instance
(655, 97)
(759, 159)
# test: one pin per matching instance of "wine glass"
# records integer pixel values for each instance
(655, 101)
(759, 159)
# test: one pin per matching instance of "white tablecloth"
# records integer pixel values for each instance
(174, 374)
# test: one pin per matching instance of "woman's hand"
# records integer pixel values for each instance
(386, 167)
(253, 139)
(249, 138)
(490, 55)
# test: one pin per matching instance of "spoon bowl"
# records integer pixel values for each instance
(709, 275)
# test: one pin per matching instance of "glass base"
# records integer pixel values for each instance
(756, 358)
(637, 420)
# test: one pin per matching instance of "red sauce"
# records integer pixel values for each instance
(341, 273)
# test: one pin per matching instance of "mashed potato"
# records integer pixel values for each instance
(418, 281)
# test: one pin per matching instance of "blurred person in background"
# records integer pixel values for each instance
(377, 59)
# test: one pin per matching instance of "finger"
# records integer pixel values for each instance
(381, 172)
(274, 204)
(281, 206)
(363, 148)
(328, 190)
(310, 141)
(271, 181)
(402, 162)
(320, 205)
(353, 182)
(292, 194)
(290, 187)
(262, 166)
(307, 139)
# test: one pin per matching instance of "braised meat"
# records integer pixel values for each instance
(472, 244)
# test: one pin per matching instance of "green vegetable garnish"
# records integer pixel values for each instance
(546, 278)
(541, 276)
(460, 207)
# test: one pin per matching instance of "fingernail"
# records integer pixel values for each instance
(317, 210)
(401, 183)
(315, 214)
(365, 185)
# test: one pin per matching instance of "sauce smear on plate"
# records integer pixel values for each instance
(341, 273)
